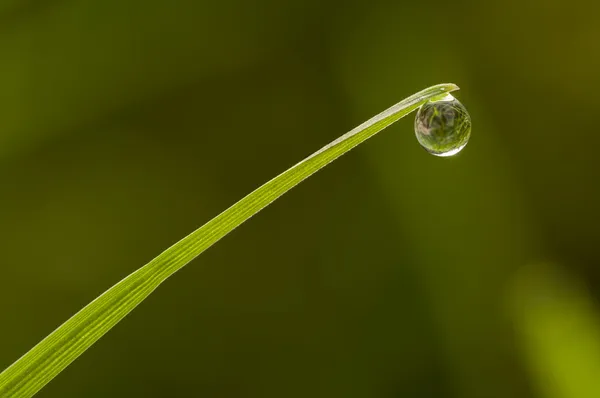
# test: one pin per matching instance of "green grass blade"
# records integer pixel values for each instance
(46, 360)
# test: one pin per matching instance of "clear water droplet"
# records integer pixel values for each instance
(443, 127)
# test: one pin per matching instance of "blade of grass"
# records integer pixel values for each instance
(46, 360)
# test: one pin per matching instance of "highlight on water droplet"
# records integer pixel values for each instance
(443, 126)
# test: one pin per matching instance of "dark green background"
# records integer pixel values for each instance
(125, 124)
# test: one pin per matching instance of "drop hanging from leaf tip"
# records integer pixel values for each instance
(443, 126)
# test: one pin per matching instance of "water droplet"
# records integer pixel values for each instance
(443, 127)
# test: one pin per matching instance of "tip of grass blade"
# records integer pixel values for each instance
(447, 87)
(444, 89)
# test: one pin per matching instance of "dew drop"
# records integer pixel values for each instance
(443, 127)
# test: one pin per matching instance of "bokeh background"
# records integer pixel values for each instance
(126, 124)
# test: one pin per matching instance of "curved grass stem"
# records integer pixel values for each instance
(47, 359)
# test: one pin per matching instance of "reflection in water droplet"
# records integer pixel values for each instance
(443, 127)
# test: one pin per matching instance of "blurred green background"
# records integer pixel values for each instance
(125, 124)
